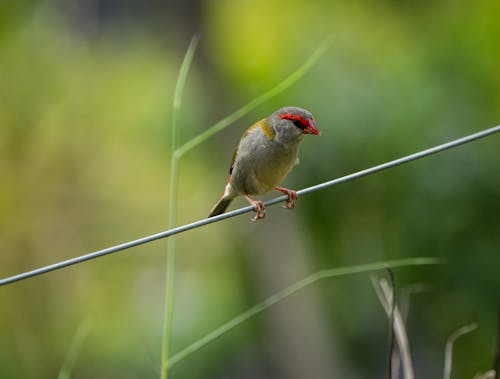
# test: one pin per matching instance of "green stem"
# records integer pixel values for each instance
(290, 290)
(172, 214)
(170, 270)
(74, 350)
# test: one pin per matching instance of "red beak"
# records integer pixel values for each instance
(312, 129)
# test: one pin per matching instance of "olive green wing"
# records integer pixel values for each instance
(261, 124)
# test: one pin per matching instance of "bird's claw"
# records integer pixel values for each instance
(258, 207)
(260, 210)
(290, 203)
(292, 198)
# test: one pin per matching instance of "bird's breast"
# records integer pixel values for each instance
(276, 163)
(261, 162)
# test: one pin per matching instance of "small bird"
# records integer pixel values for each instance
(267, 152)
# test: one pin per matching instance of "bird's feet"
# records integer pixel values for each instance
(292, 197)
(260, 210)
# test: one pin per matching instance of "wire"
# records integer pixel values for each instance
(240, 211)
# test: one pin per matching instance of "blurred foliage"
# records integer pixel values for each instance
(85, 93)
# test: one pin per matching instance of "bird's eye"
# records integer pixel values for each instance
(297, 120)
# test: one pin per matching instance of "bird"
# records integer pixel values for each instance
(266, 153)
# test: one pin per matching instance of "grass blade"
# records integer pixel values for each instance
(448, 356)
(290, 290)
(74, 350)
(173, 192)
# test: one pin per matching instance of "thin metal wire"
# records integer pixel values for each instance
(240, 211)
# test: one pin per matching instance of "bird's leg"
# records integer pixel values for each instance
(260, 210)
(292, 197)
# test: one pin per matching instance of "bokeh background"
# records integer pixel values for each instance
(85, 107)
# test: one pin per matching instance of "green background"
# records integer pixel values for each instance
(85, 108)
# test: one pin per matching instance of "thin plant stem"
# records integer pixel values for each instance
(448, 354)
(391, 322)
(496, 357)
(290, 290)
(384, 293)
(491, 374)
(404, 309)
(74, 350)
(172, 214)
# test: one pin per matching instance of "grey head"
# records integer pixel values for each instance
(291, 124)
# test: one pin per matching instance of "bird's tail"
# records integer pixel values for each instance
(221, 205)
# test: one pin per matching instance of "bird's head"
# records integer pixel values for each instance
(293, 123)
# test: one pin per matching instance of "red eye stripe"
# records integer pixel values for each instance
(293, 117)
